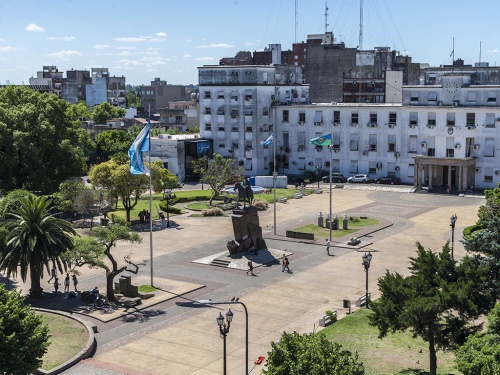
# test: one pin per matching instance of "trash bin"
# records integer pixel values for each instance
(320, 220)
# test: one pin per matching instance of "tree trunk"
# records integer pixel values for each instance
(110, 277)
(36, 290)
(127, 210)
(432, 357)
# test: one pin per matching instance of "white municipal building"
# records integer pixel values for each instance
(442, 132)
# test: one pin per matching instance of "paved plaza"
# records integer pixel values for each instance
(179, 336)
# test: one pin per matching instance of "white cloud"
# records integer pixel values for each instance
(188, 40)
(123, 47)
(101, 46)
(157, 63)
(153, 48)
(127, 62)
(205, 59)
(161, 34)
(2, 40)
(132, 39)
(157, 40)
(65, 38)
(10, 49)
(253, 44)
(34, 27)
(219, 45)
(152, 70)
(152, 58)
(64, 55)
(494, 51)
(187, 55)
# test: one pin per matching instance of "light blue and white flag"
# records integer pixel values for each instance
(140, 145)
(268, 141)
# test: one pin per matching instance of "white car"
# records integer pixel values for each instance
(359, 178)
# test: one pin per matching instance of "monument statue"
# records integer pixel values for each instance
(245, 192)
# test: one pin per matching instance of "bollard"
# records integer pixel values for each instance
(345, 222)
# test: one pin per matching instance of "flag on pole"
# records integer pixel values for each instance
(268, 141)
(140, 145)
(324, 140)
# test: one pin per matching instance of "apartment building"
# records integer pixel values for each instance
(158, 94)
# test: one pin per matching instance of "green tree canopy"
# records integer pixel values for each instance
(68, 193)
(215, 172)
(24, 338)
(41, 144)
(35, 240)
(11, 201)
(439, 301)
(111, 142)
(310, 354)
(104, 111)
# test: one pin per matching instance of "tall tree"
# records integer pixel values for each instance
(111, 142)
(92, 251)
(35, 240)
(11, 201)
(438, 302)
(480, 355)
(104, 111)
(24, 338)
(311, 354)
(215, 172)
(68, 193)
(41, 145)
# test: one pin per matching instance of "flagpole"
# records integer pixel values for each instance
(150, 201)
(275, 176)
(331, 162)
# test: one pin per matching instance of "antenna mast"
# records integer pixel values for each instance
(480, 48)
(296, 18)
(326, 18)
(360, 25)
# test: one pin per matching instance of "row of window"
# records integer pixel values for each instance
(248, 111)
(233, 95)
(432, 97)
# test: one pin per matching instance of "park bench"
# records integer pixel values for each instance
(361, 301)
(129, 302)
(326, 319)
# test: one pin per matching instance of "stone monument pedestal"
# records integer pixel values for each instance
(247, 230)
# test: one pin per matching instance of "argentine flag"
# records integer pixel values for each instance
(140, 145)
(324, 140)
(268, 141)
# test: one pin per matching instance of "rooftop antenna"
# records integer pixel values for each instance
(326, 18)
(479, 52)
(360, 25)
(296, 18)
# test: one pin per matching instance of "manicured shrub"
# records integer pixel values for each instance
(260, 204)
(216, 211)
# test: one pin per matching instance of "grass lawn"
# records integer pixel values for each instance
(395, 354)
(324, 232)
(68, 337)
(147, 289)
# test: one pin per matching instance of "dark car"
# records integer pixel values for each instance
(336, 177)
(389, 179)
(301, 179)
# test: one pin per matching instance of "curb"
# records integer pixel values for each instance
(84, 353)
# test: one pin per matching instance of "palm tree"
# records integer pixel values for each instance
(34, 238)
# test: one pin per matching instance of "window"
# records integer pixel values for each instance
(492, 98)
(221, 128)
(301, 139)
(471, 97)
(431, 145)
(208, 94)
(222, 145)
(471, 119)
(265, 111)
(248, 97)
(411, 170)
(413, 118)
(248, 111)
(489, 147)
(335, 164)
(286, 139)
(286, 115)
(248, 145)
(450, 119)
(372, 167)
(391, 147)
(391, 168)
(414, 97)
(234, 95)
(353, 166)
(354, 118)
(302, 117)
(432, 97)
(249, 129)
(208, 110)
(302, 163)
(392, 118)
(220, 95)
(336, 116)
(412, 144)
(336, 141)
(220, 111)
(372, 142)
(431, 118)
(373, 117)
(353, 142)
(234, 129)
(318, 117)
(208, 126)
(469, 147)
(235, 146)
(248, 164)
(490, 120)
(234, 112)
(450, 147)
(488, 174)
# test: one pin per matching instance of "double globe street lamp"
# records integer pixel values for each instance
(453, 220)
(367, 258)
(224, 330)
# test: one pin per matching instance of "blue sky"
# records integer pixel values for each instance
(170, 39)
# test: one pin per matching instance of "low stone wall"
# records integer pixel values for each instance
(300, 235)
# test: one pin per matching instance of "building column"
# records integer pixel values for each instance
(460, 178)
(449, 176)
(415, 176)
(431, 170)
(467, 181)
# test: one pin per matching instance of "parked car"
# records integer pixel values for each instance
(359, 178)
(301, 179)
(389, 179)
(336, 177)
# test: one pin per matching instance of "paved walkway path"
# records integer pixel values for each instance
(184, 338)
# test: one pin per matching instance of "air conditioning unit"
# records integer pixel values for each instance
(261, 130)
(476, 147)
(457, 146)
(423, 144)
(497, 173)
(310, 163)
(412, 126)
(273, 98)
(365, 153)
(470, 127)
(301, 123)
(396, 168)
(396, 154)
(354, 124)
(336, 124)
(336, 149)
(478, 170)
(440, 103)
(455, 103)
(391, 126)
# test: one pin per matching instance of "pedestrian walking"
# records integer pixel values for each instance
(141, 217)
(75, 283)
(327, 246)
(66, 283)
(53, 273)
(286, 263)
(250, 267)
(163, 222)
(283, 263)
(56, 285)
(95, 296)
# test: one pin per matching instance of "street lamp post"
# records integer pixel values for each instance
(367, 258)
(224, 330)
(318, 167)
(167, 195)
(453, 220)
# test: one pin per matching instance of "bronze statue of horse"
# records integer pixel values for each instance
(245, 193)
